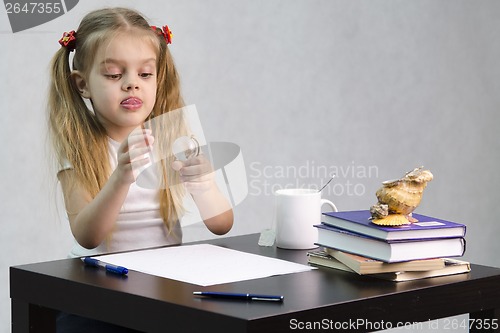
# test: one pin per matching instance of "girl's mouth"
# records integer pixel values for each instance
(131, 103)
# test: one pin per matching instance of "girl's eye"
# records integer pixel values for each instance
(113, 76)
(146, 75)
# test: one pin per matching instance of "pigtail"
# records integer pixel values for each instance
(76, 134)
(168, 95)
(168, 98)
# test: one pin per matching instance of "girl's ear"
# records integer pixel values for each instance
(81, 83)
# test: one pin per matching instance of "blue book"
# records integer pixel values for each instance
(389, 250)
(427, 227)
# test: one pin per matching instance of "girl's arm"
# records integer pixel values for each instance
(215, 210)
(92, 220)
(198, 177)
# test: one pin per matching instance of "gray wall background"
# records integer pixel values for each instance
(367, 89)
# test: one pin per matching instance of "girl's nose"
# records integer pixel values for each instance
(130, 84)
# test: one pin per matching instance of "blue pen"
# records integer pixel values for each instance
(239, 296)
(109, 268)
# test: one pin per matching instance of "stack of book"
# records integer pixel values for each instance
(352, 242)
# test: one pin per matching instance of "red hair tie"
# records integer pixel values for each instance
(164, 31)
(68, 40)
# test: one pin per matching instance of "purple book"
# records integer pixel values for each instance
(427, 227)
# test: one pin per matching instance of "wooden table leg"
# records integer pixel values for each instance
(29, 318)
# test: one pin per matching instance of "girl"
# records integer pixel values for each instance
(123, 67)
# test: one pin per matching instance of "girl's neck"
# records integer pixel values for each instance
(119, 135)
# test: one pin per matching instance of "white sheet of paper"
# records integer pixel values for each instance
(203, 264)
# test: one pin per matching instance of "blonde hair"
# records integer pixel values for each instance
(77, 135)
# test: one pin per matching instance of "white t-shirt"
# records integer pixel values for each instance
(139, 224)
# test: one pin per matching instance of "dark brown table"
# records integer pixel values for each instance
(322, 299)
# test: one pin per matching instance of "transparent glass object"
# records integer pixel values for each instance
(185, 147)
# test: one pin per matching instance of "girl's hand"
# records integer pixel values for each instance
(134, 154)
(196, 173)
(198, 177)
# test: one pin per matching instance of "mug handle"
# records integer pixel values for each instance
(328, 202)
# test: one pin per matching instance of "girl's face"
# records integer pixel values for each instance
(122, 84)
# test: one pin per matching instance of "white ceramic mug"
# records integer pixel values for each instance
(297, 211)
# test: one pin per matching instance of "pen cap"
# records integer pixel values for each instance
(117, 269)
